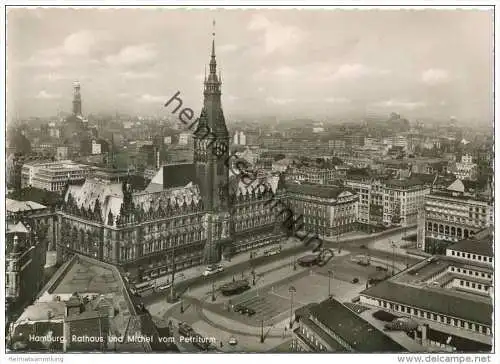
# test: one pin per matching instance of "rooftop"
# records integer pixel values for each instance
(407, 182)
(434, 300)
(481, 247)
(317, 190)
(20, 206)
(358, 333)
(83, 276)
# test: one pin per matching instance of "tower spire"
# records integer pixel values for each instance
(213, 38)
(213, 63)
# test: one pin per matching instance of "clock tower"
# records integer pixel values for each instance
(211, 153)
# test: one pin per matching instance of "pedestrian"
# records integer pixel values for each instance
(221, 344)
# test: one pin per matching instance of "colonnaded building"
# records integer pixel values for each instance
(189, 214)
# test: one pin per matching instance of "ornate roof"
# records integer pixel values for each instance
(246, 185)
(111, 198)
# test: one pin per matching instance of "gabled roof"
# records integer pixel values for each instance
(17, 228)
(173, 175)
(457, 186)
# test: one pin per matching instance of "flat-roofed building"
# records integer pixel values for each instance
(325, 210)
(314, 175)
(402, 200)
(53, 176)
(452, 214)
(330, 326)
(466, 168)
(84, 304)
(449, 296)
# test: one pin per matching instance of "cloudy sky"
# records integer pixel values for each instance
(316, 63)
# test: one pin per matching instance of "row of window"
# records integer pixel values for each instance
(471, 272)
(436, 317)
(445, 229)
(472, 256)
(478, 286)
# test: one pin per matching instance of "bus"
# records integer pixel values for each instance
(143, 289)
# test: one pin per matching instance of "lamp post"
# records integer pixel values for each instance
(393, 255)
(295, 255)
(182, 305)
(261, 331)
(330, 276)
(292, 290)
(338, 244)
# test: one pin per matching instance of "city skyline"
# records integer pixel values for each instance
(273, 62)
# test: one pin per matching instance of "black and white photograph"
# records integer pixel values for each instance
(260, 179)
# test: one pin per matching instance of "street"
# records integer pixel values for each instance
(342, 277)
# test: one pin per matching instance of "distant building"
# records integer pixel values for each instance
(239, 138)
(167, 140)
(433, 166)
(53, 176)
(185, 138)
(370, 205)
(249, 155)
(336, 144)
(396, 141)
(251, 138)
(281, 165)
(96, 148)
(74, 131)
(54, 132)
(314, 175)
(465, 169)
(453, 214)
(62, 153)
(402, 200)
(325, 210)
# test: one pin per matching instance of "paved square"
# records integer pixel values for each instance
(267, 307)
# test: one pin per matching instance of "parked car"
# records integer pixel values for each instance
(185, 329)
(363, 246)
(213, 269)
(250, 311)
(355, 280)
(379, 268)
(233, 341)
(238, 308)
